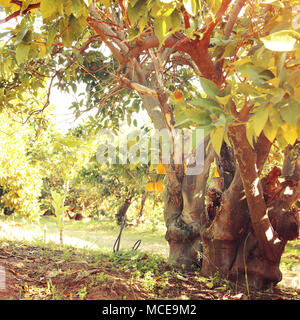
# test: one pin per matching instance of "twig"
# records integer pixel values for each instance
(19, 12)
(138, 87)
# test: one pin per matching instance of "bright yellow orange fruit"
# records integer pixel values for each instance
(159, 187)
(150, 186)
(160, 169)
(178, 95)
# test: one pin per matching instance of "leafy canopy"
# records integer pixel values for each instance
(255, 79)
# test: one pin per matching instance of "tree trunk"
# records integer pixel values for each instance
(183, 219)
(122, 211)
(140, 217)
(239, 234)
(241, 237)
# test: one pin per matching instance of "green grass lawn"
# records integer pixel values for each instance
(87, 233)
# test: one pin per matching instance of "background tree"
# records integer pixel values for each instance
(245, 56)
(20, 175)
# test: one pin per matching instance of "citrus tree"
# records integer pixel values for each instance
(20, 175)
(244, 57)
(123, 181)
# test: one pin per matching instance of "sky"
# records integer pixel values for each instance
(65, 117)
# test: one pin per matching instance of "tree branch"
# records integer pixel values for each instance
(19, 12)
(233, 16)
(269, 244)
(212, 22)
(197, 49)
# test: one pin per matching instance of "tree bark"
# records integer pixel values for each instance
(122, 211)
(184, 222)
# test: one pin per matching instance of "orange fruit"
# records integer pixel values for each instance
(159, 187)
(178, 95)
(150, 186)
(160, 169)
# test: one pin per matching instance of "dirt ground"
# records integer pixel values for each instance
(34, 272)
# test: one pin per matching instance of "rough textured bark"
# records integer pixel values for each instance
(122, 211)
(248, 236)
(184, 222)
(270, 245)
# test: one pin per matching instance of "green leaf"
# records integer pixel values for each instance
(257, 74)
(284, 40)
(22, 51)
(280, 139)
(132, 2)
(67, 39)
(269, 131)
(293, 78)
(214, 5)
(259, 120)
(275, 117)
(250, 133)
(48, 8)
(21, 35)
(185, 116)
(175, 19)
(135, 11)
(290, 133)
(77, 8)
(160, 28)
(190, 7)
(205, 102)
(210, 88)
(75, 27)
(133, 14)
(290, 112)
(224, 100)
(165, 10)
(52, 33)
(216, 137)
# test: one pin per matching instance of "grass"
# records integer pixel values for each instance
(88, 233)
(100, 236)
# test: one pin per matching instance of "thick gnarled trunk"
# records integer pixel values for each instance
(244, 238)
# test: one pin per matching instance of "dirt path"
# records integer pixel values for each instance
(33, 272)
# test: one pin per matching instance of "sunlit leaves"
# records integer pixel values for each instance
(191, 6)
(259, 120)
(22, 51)
(289, 133)
(216, 137)
(210, 88)
(160, 28)
(270, 131)
(59, 208)
(21, 180)
(48, 8)
(214, 5)
(257, 74)
(5, 3)
(284, 40)
(290, 111)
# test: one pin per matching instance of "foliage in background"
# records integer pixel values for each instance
(20, 177)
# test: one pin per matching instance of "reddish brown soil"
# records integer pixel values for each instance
(33, 272)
